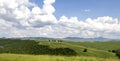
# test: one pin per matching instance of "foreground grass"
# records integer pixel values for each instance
(20, 57)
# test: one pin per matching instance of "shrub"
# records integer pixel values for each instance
(114, 51)
(85, 50)
(118, 53)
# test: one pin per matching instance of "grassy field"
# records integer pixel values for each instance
(106, 45)
(95, 49)
(19, 57)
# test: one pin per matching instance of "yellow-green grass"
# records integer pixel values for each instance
(20, 57)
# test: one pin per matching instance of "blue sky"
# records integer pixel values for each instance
(85, 8)
(60, 18)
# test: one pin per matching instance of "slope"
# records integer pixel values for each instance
(80, 48)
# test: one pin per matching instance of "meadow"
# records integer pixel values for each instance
(96, 49)
(21, 57)
(45, 50)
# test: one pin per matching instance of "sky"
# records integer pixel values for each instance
(60, 18)
(85, 8)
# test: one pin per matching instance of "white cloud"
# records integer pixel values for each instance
(17, 20)
(36, 10)
(92, 27)
(87, 10)
(49, 2)
(47, 7)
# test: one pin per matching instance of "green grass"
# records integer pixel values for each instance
(107, 45)
(95, 49)
(19, 57)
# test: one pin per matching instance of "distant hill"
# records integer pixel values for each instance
(36, 38)
(68, 38)
(88, 39)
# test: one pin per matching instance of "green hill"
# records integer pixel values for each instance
(92, 47)
(43, 47)
(106, 45)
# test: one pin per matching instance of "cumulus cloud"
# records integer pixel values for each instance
(17, 19)
(47, 7)
(91, 28)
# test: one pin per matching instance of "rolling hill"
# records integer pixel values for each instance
(97, 49)
(94, 49)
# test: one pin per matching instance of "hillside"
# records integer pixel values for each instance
(80, 46)
(105, 45)
(59, 47)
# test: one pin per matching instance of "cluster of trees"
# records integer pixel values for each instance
(31, 47)
(55, 41)
(117, 52)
